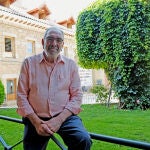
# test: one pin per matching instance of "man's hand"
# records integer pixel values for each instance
(43, 129)
(54, 124)
(47, 128)
(40, 126)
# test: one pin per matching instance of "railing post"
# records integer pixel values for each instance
(6, 147)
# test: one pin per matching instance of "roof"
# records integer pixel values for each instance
(18, 15)
(43, 9)
(6, 2)
(68, 21)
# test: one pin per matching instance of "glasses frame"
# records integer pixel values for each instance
(52, 39)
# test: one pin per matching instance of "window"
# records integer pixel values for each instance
(8, 44)
(11, 89)
(9, 47)
(30, 47)
(10, 86)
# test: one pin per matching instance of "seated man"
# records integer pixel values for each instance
(49, 97)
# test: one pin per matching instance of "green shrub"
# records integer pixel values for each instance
(2, 93)
(101, 92)
(115, 35)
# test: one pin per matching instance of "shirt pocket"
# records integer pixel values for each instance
(63, 81)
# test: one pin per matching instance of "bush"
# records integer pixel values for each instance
(2, 93)
(114, 35)
(101, 92)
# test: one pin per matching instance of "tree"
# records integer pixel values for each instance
(2, 93)
(115, 35)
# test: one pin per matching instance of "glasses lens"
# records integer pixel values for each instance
(58, 40)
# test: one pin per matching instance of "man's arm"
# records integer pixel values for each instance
(34, 119)
(24, 108)
(75, 91)
(64, 115)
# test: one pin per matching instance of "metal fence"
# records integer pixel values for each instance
(99, 137)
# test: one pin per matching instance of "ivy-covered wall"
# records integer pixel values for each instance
(115, 35)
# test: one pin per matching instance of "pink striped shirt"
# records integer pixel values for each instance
(46, 90)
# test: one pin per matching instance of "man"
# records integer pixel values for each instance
(49, 97)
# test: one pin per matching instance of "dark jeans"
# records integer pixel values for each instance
(72, 132)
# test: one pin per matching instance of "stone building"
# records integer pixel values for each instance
(20, 36)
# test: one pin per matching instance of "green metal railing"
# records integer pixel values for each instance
(7, 147)
(99, 137)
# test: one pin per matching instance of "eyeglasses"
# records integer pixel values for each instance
(51, 40)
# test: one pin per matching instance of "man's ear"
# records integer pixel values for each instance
(42, 43)
(62, 44)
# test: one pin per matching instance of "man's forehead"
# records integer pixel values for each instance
(54, 32)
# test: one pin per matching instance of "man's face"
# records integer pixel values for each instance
(53, 43)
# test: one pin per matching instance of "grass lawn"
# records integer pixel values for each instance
(134, 125)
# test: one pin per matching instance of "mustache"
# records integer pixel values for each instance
(51, 47)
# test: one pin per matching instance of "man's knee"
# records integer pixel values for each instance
(86, 140)
(83, 142)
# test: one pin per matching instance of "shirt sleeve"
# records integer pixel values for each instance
(24, 107)
(75, 101)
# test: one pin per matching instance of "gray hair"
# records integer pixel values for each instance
(53, 29)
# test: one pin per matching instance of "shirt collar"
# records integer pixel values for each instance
(60, 58)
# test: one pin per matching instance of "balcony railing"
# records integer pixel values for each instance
(99, 137)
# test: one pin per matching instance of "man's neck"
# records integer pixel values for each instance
(50, 59)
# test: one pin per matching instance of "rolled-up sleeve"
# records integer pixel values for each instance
(24, 107)
(75, 101)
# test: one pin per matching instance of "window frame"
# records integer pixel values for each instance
(9, 53)
(27, 47)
